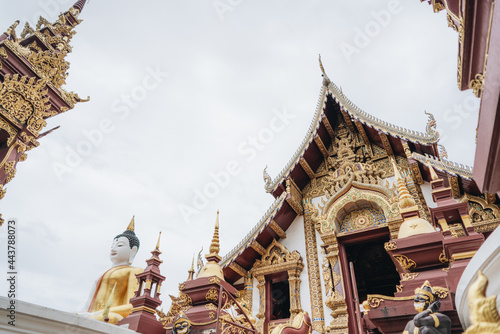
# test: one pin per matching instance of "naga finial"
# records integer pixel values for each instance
(326, 80)
(430, 128)
(267, 178)
(442, 151)
(11, 31)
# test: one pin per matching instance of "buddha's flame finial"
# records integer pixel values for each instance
(405, 198)
(105, 312)
(214, 246)
(158, 242)
(131, 225)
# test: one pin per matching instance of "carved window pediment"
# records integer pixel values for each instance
(277, 260)
(276, 255)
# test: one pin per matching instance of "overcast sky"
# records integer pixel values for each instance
(183, 92)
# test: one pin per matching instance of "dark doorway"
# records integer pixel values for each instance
(374, 270)
(281, 300)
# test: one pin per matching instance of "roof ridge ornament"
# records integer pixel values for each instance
(430, 128)
(267, 178)
(326, 80)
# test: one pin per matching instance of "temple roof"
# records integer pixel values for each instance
(352, 113)
(332, 107)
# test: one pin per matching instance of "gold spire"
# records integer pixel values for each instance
(131, 225)
(191, 271)
(158, 242)
(214, 246)
(105, 312)
(405, 198)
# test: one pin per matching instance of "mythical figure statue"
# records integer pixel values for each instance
(181, 325)
(122, 274)
(428, 320)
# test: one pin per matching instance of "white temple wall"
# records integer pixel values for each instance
(255, 298)
(427, 192)
(296, 240)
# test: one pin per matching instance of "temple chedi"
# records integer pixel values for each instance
(372, 228)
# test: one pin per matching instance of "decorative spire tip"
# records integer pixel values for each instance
(158, 242)
(214, 246)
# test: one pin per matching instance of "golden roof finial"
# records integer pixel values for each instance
(158, 242)
(405, 198)
(131, 225)
(214, 246)
(191, 271)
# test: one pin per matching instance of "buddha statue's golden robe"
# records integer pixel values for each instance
(126, 285)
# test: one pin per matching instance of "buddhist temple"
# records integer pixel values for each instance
(371, 230)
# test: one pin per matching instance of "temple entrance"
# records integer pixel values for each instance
(374, 270)
(367, 269)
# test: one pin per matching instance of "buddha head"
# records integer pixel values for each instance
(124, 247)
(424, 297)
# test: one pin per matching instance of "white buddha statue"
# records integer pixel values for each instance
(121, 276)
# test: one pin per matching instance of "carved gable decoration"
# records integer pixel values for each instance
(485, 217)
(278, 257)
(479, 210)
(24, 102)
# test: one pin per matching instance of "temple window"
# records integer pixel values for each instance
(278, 273)
(280, 300)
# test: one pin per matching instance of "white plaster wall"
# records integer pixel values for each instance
(296, 240)
(255, 299)
(427, 192)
